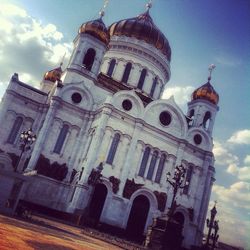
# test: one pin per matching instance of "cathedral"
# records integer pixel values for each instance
(103, 115)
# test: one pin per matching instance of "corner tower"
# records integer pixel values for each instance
(203, 106)
(89, 47)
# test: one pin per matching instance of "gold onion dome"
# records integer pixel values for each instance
(206, 92)
(143, 28)
(53, 75)
(97, 29)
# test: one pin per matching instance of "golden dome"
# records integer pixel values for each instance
(143, 28)
(97, 29)
(206, 92)
(53, 75)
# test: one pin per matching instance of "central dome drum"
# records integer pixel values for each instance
(143, 28)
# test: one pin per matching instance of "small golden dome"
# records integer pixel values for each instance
(143, 28)
(97, 29)
(53, 75)
(206, 92)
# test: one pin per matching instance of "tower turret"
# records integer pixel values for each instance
(203, 106)
(89, 47)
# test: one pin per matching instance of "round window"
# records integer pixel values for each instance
(127, 104)
(76, 97)
(165, 118)
(197, 139)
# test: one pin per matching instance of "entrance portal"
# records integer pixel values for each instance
(137, 218)
(97, 202)
(173, 235)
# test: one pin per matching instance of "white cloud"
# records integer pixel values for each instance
(238, 194)
(223, 156)
(244, 173)
(182, 95)
(247, 159)
(227, 217)
(240, 137)
(12, 10)
(28, 46)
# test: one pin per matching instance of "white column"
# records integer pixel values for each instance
(106, 144)
(75, 151)
(94, 149)
(156, 167)
(129, 157)
(122, 153)
(139, 152)
(42, 136)
(134, 75)
(148, 164)
(179, 154)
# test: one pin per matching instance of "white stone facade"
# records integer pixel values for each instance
(92, 123)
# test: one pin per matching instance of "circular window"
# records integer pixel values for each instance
(127, 104)
(165, 118)
(197, 139)
(76, 97)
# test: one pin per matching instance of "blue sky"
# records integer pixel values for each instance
(35, 34)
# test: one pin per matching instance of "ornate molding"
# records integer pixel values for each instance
(115, 184)
(130, 187)
(161, 200)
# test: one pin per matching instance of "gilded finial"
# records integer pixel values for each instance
(102, 11)
(149, 4)
(210, 69)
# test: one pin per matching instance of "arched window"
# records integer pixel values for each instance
(111, 67)
(142, 79)
(113, 148)
(206, 120)
(61, 138)
(188, 179)
(15, 130)
(126, 72)
(160, 169)
(152, 165)
(89, 58)
(144, 162)
(153, 87)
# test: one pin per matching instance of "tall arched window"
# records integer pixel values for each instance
(206, 120)
(144, 162)
(89, 58)
(126, 72)
(188, 179)
(61, 138)
(142, 79)
(152, 165)
(153, 87)
(15, 130)
(160, 169)
(111, 67)
(113, 148)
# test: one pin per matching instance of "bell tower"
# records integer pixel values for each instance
(203, 106)
(89, 47)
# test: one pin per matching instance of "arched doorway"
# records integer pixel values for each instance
(137, 218)
(173, 234)
(97, 202)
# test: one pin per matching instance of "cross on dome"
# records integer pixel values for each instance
(102, 11)
(210, 69)
(149, 5)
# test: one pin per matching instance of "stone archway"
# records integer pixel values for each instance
(137, 218)
(97, 202)
(173, 234)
